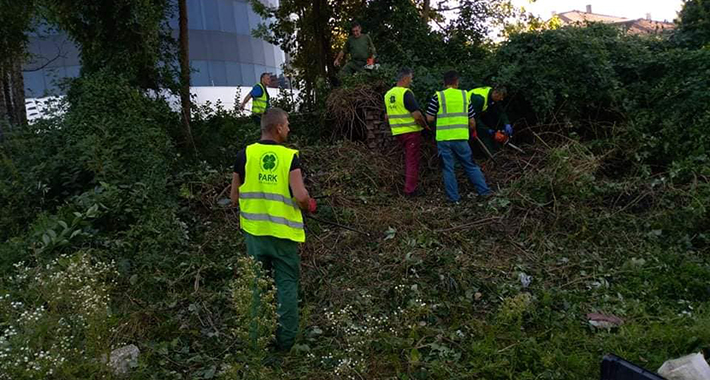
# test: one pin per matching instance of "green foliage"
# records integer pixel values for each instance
(17, 16)
(569, 76)
(694, 24)
(253, 298)
(130, 38)
(116, 134)
(55, 319)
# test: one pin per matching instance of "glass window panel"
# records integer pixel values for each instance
(73, 71)
(226, 16)
(269, 58)
(241, 18)
(200, 75)
(174, 17)
(70, 53)
(218, 73)
(248, 76)
(228, 44)
(245, 52)
(257, 49)
(254, 20)
(198, 45)
(194, 15)
(34, 83)
(210, 12)
(234, 74)
(214, 50)
(53, 79)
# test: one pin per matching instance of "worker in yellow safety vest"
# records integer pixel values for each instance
(492, 123)
(406, 122)
(455, 122)
(259, 98)
(268, 186)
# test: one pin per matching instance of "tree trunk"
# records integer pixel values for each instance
(18, 92)
(185, 72)
(425, 11)
(12, 93)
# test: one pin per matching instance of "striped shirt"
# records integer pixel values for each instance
(433, 107)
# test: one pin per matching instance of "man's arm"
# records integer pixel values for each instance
(299, 189)
(432, 109)
(472, 119)
(244, 103)
(234, 194)
(371, 47)
(419, 118)
(410, 103)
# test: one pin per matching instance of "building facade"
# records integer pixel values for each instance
(222, 50)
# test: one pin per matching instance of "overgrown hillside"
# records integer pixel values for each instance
(114, 233)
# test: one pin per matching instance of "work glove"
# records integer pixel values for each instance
(509, 130)
(312, 206)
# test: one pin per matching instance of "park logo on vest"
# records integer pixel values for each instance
(269, 162)
(393, 99)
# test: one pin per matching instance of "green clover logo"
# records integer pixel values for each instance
(269, 162)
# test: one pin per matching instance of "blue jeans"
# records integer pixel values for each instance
(459, 149)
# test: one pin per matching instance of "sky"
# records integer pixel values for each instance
(660, 9)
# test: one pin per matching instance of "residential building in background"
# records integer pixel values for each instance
(631, 26)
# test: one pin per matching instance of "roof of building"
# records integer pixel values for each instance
(575, 16)
(643, 26)
(632, 26)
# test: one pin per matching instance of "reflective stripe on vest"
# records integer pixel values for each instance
(452, 117)
(400, 119)
(265, 202)
(482, 92)
(259, 104)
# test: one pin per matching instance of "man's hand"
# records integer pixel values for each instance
(312, 206)
(509, 130)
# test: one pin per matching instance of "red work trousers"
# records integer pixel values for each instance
(412, 143)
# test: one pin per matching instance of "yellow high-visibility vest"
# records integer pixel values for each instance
(452, 117)
(481, 91)
(259, 104)
(265, 203)
(400, 119)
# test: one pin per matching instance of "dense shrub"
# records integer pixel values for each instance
(117, 134)
(594, 77)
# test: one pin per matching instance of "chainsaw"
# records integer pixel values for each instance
(503, 138)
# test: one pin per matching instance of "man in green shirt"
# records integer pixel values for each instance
(360, 48)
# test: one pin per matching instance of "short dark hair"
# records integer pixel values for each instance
(263, 75)
(502, 90)
(271, 118)
(355, 24)
(450, 77)
(403, 72)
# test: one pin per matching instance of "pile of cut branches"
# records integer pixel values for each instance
(348, 108)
